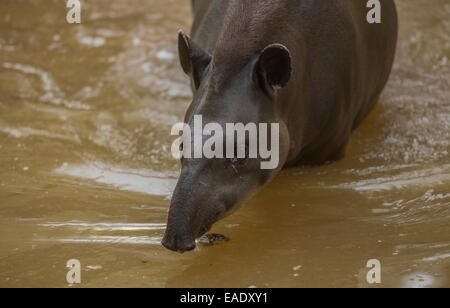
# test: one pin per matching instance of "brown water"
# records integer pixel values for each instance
(86, 171)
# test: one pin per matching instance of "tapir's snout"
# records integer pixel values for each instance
(193, 211)
(180, 235)
(208, 191)
(181, 232)
(178, 242)
(187, 222)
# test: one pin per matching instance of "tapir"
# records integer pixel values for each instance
(316, 67)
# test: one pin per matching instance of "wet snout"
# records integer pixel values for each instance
(183, 230)
(187, 221)
(193, 211)
(178, 242)
(176, 239)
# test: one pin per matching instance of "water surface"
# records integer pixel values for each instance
(86, 171)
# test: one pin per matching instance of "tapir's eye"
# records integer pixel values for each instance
(239, 162)
(182, 151)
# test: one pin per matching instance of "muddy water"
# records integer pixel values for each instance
(85, 171)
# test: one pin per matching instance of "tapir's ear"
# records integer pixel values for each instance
(274, 66)
(194, 59)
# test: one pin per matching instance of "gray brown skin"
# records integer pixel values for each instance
(316, 67)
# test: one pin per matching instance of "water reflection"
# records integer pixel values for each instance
(141, 181)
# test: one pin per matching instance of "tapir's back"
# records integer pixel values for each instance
(322, 27)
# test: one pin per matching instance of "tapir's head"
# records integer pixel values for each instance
(245, 91)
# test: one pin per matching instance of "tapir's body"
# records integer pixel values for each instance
(330, 68)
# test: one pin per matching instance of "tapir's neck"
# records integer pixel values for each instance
(248, 27)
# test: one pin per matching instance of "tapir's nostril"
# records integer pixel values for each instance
(178, 244)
